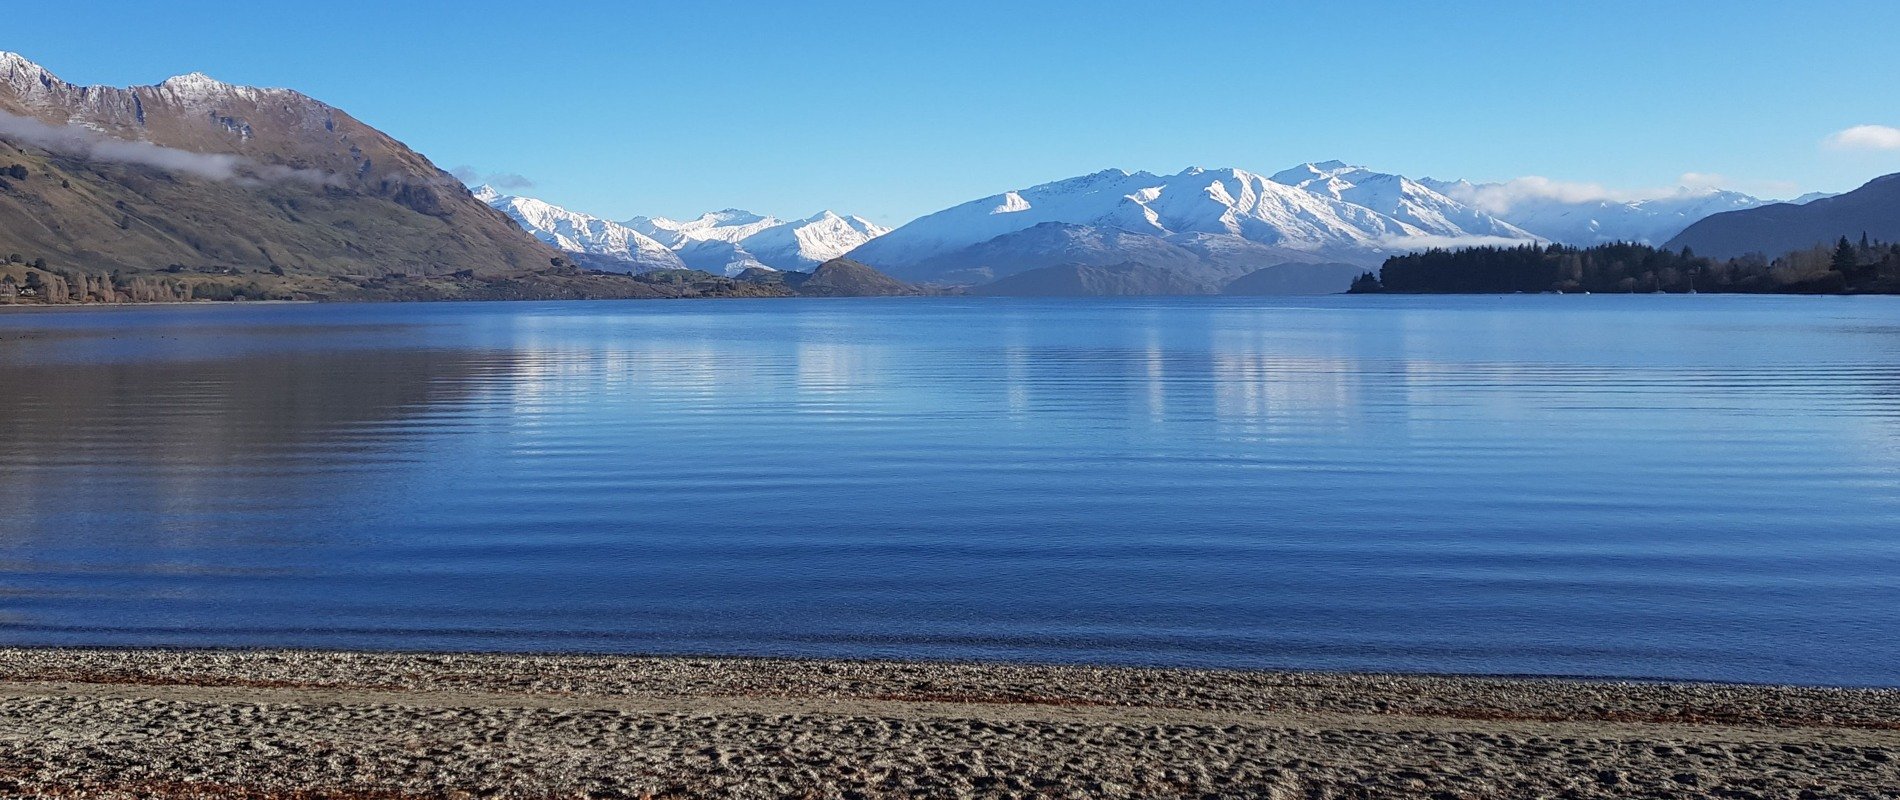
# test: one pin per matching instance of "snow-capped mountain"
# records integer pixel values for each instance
(811, 241)
(1400, 198)
(730, 226)
(717, 257)
(596, 242)
(756, 240)
(1584, 220)
(1242, 220)
(1207, 227)
(723, 242)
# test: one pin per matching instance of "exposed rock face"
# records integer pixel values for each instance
(215, 177)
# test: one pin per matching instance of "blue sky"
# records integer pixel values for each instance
(891, 109)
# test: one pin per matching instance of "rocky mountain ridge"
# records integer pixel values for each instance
(193, 180)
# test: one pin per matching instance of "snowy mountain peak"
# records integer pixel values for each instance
(192, 80)
(11, 61)
(1326, 210)
(725, 225)
(592, 240)
(1108, 178)
(812, 241)
(1321, 172)
(199, 87)
(25, 76)
(1012, 203)
(730, 240)
(732, 216)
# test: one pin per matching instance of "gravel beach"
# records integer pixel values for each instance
(286, 724)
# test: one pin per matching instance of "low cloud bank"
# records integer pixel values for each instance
(1501, 198)
(73, 140)
(1416, 243)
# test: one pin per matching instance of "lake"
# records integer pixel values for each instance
(1693, 487)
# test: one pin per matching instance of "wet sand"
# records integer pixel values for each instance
(273, 724)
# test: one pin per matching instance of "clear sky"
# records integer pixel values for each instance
(892, 109)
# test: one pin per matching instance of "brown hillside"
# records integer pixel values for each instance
(215, 177)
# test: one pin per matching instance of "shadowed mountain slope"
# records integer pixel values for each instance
(1873, 209)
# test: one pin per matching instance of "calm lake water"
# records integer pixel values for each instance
(1645, 486)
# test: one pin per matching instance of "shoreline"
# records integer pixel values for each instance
(6, 307)
(947, 662)
(298, 723)
(158, 304)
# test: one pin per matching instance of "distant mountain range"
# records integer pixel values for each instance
(1207, 228)
(733, 240)
(1588, 221)
(592, 240)
(1112, 232)
(1216, 224)
(1872, 210)
(725, 242)
(193, 180)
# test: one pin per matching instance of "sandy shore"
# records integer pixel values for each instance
(109, 723)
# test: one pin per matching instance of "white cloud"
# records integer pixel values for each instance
(74, 140)
(1865, 137)
(90, 144)
(1699, 183)
(1429, 242)
(1703, 181)
(501, 180)
(1499, 198)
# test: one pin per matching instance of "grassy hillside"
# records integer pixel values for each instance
(99, 217)
(195, 188)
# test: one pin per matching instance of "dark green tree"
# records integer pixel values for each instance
(1366, 283)
(1846, 259)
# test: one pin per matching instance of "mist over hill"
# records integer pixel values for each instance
(198, 188)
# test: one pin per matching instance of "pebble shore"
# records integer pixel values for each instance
(293, 724)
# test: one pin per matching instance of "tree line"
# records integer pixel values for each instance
(1846, 267)
(58, 286)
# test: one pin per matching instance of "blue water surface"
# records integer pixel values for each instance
(1692, 487)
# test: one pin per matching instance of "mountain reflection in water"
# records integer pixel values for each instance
(1686, 487)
